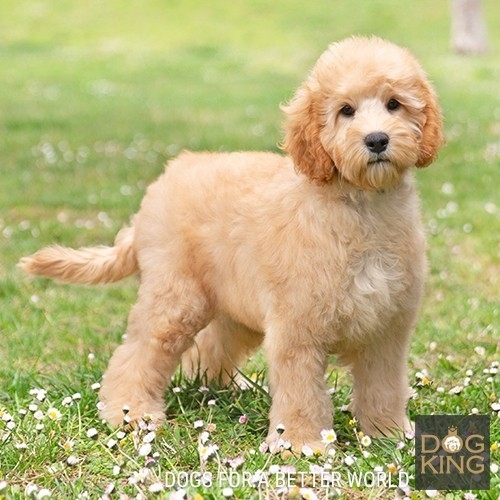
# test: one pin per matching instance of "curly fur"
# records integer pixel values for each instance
(317, 252)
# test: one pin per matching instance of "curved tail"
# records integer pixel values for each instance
(86, 266)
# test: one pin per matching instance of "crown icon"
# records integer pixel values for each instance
(452, 443)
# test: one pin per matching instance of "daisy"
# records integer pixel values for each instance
(366, 441)
(54, 414)
(307, 451)
(328, 436)
(156, 488)
(308, 494)
(145, 450)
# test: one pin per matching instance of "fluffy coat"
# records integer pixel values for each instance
(315, 253)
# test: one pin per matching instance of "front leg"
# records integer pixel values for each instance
(300, 400)
(381, 388)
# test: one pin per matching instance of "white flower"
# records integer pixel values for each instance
(316, 469)
(308, 494)
(156, 488)
(431, 493)
(6, 417)
(366, 441)
(349, 460)
(480, 351)
(204, 437)
(139, 476)
(76, 396)
(207, 451)
(227, 492)
(38, 394)
(95, 386)
(276, 446)
(328, 436)
(72, 460)
(111, 443)
(470, 496)
(178, 495)
(68, 445)
(116, 470)
(67, 402)
(92, 433)
(43, 493)
(53, 414)
(38, 415)
(145, 450)
(110, 487)
(236, 462)
(149, 437)
(30, 489)
(198, 424)
(3, 485)
(494, 468)
(307, 451)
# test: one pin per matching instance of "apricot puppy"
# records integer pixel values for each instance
(315, 253)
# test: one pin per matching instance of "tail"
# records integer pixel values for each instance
(86, 266)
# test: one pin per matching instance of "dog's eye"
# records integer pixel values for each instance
(347, 110)
(393, 104)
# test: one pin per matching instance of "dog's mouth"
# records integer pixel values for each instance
(379, 161)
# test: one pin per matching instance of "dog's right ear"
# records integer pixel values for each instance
(302, 135)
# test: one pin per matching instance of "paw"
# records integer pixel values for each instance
(130, 416)
(388, 427)
(296, 444)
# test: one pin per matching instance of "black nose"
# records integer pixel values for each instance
(377, 142)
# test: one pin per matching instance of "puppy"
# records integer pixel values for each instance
(315, 253)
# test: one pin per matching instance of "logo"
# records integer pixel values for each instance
(452, 452)
(452, 443)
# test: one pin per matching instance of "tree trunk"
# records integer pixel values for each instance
(468, 29)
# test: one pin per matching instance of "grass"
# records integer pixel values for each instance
(95, 97)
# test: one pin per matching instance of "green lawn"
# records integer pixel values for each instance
(94, 98)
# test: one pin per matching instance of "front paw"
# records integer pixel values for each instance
(296, 444)
(130, 416)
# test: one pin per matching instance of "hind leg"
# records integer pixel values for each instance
(219, 349)
(161, 327)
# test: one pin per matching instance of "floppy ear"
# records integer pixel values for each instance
(302, 135)
(432, 134)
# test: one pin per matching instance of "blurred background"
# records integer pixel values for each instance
(96, 96)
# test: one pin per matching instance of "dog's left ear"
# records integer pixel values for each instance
(432, 134)
(304, 120)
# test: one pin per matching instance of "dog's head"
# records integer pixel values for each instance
(366, 113)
